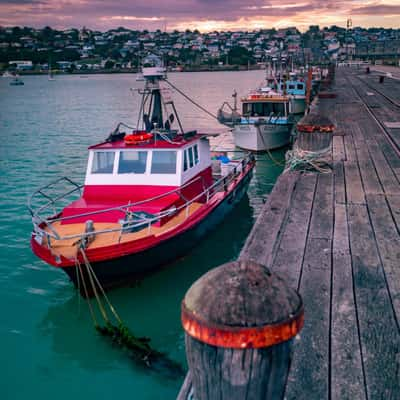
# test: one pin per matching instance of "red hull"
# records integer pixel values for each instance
(112, 252)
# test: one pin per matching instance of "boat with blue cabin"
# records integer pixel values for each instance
(149, 196)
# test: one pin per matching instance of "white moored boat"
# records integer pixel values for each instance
(265, 122)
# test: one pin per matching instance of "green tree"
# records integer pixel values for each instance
(109, 64)
(240, 56)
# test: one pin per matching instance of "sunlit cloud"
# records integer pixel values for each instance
(130, 18)
(204, 15)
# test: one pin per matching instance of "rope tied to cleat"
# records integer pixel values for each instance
(139, 347)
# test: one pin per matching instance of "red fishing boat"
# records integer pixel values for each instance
(148, 197)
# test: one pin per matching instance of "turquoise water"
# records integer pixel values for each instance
(48, 345)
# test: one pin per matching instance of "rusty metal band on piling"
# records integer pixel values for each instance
(241, 337)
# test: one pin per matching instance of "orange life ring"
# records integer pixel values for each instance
(138, 137)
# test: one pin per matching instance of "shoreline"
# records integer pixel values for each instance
(136, 71)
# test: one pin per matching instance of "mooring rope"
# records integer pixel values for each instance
(191, 100)
(120, 334)
(92, 313)
(280, 164)
(122, 331)
(99, 302)
(103, 293)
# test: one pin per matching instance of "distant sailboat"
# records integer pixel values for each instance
(50, 75)
(16, 81)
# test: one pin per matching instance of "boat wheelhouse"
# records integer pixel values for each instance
(296, 90)
(265, 122)
(148, 197)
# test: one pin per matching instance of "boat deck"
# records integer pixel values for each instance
(68, 247)
(335, 237)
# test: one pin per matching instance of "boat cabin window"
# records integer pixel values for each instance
(103, 162)
(190, 157)
(185, 161)
(164, 162)
(191, 160)
(263, 109)
(300, 86)
(132, 162)
(196, 154)
(292, 87)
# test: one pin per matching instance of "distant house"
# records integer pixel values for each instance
(22, 65)
(64, 65)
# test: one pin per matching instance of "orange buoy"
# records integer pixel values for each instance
(138, 137)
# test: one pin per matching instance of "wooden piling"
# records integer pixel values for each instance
(314, 133)
(239, 321)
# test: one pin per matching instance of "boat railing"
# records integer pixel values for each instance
(52, 202)
(221, 185)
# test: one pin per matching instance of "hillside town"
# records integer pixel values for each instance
(30, 50)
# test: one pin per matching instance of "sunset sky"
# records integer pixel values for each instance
(205, 15)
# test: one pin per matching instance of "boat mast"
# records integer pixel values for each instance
(153, 72)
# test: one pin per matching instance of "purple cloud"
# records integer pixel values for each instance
(153, 14)
(378, 9)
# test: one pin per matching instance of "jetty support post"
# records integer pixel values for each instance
(240, 320)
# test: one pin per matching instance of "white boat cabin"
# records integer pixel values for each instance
(160, 163)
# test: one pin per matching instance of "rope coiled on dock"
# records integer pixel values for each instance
(303, 160)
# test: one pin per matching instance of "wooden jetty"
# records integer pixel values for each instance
(335, 237)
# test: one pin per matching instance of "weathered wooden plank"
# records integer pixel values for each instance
(394, 203)
(264, 237)
(290, 253)
(369, 177)
(349, 147)
(340, 189)
(338, 152)
(367, 126)
(321, 225)
(390, 154)
(388, 241)
(378, 331)
(315, 283)
(345, 345)
(386, 176)
(358, 135)
(354, 189)
(309, 373)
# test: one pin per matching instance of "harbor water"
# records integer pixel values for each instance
(49, 347)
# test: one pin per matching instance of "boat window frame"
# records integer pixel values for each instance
(93, 161)
(117, 161)
(196, 154)
(191, 157)
(185, 161)
(163, 151)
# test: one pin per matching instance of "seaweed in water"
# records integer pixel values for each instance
(141, 351)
